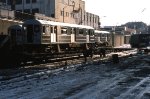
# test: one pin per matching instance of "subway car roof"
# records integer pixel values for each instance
(102, 32)
(31, 21)
(64, 24)
(45, 22)
(18, 27)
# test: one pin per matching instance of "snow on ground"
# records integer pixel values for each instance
(128, 79)
(124, 46)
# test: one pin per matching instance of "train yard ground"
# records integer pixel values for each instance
(96, 79)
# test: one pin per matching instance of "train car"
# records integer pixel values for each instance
(16, 35)
(40, 35)
(139, 40)
(102, 37)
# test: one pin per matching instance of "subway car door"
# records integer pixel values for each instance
(37, 34)
(53, 34)
(12, 34)
(30, 33)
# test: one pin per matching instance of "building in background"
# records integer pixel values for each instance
(68, 11)
(92, 20)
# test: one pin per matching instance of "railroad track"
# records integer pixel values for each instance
(121, 82)
(27, 59)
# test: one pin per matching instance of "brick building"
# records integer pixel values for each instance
(69, 11)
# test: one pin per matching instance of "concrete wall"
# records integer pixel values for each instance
(116, 40)
(4, 13)
(5, 23)
(126, 39)
(119, 40)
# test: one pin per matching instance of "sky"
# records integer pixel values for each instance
(117, 12)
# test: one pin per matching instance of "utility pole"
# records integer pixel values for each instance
(63, 14)
(81, 14)
(13, 4)
(23, 6)
(113, 36)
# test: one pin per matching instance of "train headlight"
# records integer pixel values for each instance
(24, 28)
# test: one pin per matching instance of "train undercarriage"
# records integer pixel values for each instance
(12, 56)
(20, 55)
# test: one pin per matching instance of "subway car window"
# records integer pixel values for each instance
(69, 30)
(77, 31)
(51, 29)
(36, 28)
(81, 31)
(12, 32)
(43, 29)
(91, 32)
(63, 30)
(19, 32)
(74, 31)
(84, 32)
(55, 29)
(87, 31)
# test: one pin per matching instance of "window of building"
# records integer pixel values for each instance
(34, 1)
(90, 18)
(84, 17)
(53, 15)
(62, 13)
(95, 20)
(62, 1)
(27, 1)
(3, 1)
(36, 10)
(8, 2)
(67, 14)
(18, 1)
(71, 14)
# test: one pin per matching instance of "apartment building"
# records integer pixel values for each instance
(68, 11)
(92, 20)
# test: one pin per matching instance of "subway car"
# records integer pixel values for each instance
(40, 35)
